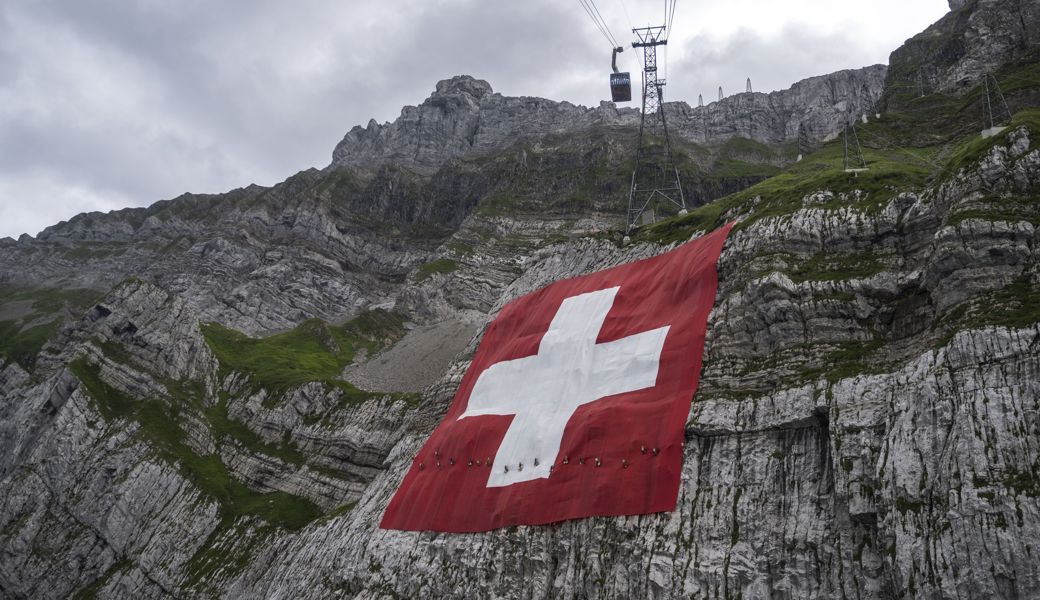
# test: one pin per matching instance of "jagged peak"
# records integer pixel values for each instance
(463, 84)
(464, 114)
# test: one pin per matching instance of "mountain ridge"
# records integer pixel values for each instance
(866, 423)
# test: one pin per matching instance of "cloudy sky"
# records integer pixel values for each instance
(106, 104)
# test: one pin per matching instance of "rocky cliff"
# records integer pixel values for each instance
(867, 422)
(464, 116)
(976, 38)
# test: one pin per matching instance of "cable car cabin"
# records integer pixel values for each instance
(620, 87)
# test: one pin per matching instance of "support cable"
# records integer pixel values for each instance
(1000, 94)
(636, 66)
(601, 26)
(593, 11)
(627, 16)
(604, 21)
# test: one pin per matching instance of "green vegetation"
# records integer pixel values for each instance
(890, 173)
(159, 423)
(227, 550)
(924, 140)
(843, 361)
(854, 358)
(734, 534)
(1013, 210)
(740, 157)
(339, 511)
(823, 267)
(440, 265)
(87, 252)
(976, 147)
(833, 362)
(35, 316)
(459, 247)
(45, 301)
(904, 505)
(91, 591)
(113, 350)
(500, 204)
(918, 121)
(14, 526)
(727, 168)
(22, 346)
(313, 351)
(1023, 482)
(223, 426)
(1015, 306)
(737, 147)
(341, 180)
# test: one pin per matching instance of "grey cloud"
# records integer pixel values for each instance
(772, 63)
(132, 102)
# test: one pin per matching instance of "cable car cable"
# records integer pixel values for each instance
(627, 16)
(635, 61)
(604, 21)
(588, 11)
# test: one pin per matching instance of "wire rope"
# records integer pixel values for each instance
(602, 29)
(635, 60)
(597, 18)
(604, 21)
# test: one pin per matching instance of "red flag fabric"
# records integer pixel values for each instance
(575, 403)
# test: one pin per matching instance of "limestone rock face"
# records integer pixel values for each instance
(866, 426)
(463, 115)
(974, 39)
(810, 111)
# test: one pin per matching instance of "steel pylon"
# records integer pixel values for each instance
(655, 177)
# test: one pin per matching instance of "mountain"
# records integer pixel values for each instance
(218, 394)
(327, 243)
(975, 38)
(464, 116)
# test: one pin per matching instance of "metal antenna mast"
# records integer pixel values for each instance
(993, 128)
(854, 163)
(655, 176)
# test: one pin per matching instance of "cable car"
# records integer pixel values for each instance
(620, 83)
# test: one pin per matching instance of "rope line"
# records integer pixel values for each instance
(604, 21)
(593, 11)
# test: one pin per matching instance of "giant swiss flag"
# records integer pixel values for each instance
(575, 403)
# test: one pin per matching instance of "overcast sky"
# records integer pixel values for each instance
(112, 103)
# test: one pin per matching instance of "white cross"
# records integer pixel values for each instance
(569, 370)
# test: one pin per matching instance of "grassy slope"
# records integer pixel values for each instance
(892, 170)
(159, 423)
(22, 337)
(313, 351)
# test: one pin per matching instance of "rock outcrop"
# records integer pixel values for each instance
(866, 424)
(865, 427)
